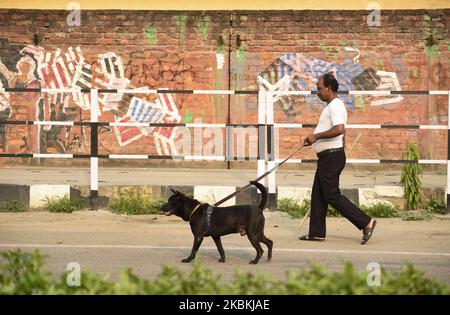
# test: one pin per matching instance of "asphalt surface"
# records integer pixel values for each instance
(107, 243)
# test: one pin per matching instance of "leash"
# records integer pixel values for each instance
(258, 179)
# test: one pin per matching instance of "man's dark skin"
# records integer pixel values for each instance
(326, 94)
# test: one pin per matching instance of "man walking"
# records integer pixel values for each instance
(327, 142)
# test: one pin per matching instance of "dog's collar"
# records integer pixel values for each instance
(195, 209)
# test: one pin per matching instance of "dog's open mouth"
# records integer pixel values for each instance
(169, 212)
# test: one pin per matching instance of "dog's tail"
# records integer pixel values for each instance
(263, 191)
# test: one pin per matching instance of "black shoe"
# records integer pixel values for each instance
(367, 232)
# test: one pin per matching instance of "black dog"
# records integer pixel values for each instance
(207, 220)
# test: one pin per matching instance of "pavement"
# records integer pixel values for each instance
(104, 242)
(366, 176)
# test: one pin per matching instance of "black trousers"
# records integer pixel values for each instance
(326, 191)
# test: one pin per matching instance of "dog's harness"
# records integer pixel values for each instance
(209, 212)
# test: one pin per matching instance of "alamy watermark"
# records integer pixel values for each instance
(74, 16)
(374, 17)
(374, 277)
(73, 278)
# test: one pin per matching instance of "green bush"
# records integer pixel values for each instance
(382, 210)
(293, 207)
(297, 210)
(63, 204)
(12, 206)
(23, 273)
(410, 178)
(436, 205)
(132, 201)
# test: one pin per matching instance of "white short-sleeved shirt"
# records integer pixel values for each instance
(332, 115)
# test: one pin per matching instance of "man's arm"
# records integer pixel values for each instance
(331, 133)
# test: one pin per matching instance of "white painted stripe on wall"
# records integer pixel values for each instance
(433, 127)
(137, 91)
(369, 92)
(53, 123)
(52, 155)
(71, 90)
(437, 92)
(291, 92)
(288, 125)
(432, 161)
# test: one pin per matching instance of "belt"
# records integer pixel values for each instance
(325, 152)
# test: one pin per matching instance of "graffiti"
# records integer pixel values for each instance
(155, 68)
(163, 110)
(181, 22)
(150, 34)
(202, 23)
(297, 72)
(71, 141)
(68, 68)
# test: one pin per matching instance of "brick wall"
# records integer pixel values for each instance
(221, 50)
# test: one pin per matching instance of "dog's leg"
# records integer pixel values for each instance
(259, 251)
(197, 242)
(269, 244)
(219, 248)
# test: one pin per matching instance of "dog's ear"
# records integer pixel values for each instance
(174, 191)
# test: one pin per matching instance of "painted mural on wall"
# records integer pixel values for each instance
(33, 66)
(297, 72)
(68, 68)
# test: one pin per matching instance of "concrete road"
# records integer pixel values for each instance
(352, 177)
(104, 242)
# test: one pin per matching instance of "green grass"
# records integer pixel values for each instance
(63, 204)
(24, 273)
(293, 207)
(382, 210)
(436, 205)
(132, 201)
(12, 206)
(297, 210)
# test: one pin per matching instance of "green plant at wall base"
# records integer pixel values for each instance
(133, 201)
(436, 205)
(381, 210)
(410, 178)
(63, 204)
(12, 206)
(293, 207)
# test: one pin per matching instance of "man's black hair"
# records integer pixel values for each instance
(330, 80)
